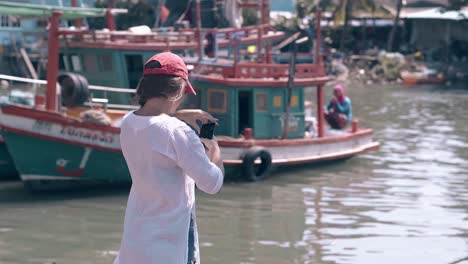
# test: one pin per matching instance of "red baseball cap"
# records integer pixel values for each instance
(171, 64)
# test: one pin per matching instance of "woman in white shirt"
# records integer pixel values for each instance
(166, 158)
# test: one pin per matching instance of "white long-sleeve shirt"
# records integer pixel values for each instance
(166, 159)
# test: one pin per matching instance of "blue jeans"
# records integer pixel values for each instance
(191, 243)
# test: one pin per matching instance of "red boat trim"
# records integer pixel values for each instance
(268, 83)
(158, 45)
(70, 173)
(133, 46)
(250, 40)
(372, 147)
(292, 142)
(60, 140)
(54, 117)
(63, 120)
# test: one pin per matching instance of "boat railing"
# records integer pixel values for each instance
(105, 89)
(266, 70)
(127, 36)
(229, 33)
(263, 70)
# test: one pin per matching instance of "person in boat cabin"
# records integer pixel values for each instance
(166, 159)
(338, 112)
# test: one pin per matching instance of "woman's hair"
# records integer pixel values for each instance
(159, 85)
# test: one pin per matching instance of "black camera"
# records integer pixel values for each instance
(207, 130)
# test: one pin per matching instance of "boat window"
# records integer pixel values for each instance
(90, 64)
(277, 101)
(245, 106)
(261, 102)
(10, 21)
(76, 63)
(217, 101)
(63, 62)
(105, 61)
(4, 22)
(294, 101)
(193, 101)
(41, 23)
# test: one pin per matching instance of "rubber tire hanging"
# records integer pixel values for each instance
(74, 89)
(252, 171)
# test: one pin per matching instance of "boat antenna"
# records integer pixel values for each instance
(263, 5)
(184, 14)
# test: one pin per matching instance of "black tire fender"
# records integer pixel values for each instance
(252, 171)
(74, 89)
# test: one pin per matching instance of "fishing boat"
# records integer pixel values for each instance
(260, 107)
(97, 54)
(425, 76)
(26, 20)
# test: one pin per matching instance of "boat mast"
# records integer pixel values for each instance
(262, 4)
(318, 61)
(53, 61)
(291, 73)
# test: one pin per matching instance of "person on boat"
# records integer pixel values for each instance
(338, 112)
(166, 158)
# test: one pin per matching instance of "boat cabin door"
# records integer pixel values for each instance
(134, 64)
(245, 108)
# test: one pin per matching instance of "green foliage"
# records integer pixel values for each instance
(249, 16)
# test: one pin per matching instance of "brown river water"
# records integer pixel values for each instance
(406, 203)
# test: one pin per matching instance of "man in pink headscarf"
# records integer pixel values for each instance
(338, 112)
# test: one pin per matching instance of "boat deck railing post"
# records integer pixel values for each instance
(320, 117)
(52, 64)
(110, 20)
(355, 126)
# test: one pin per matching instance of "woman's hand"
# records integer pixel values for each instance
(213, 152)
(211, 148)
(190, 116)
